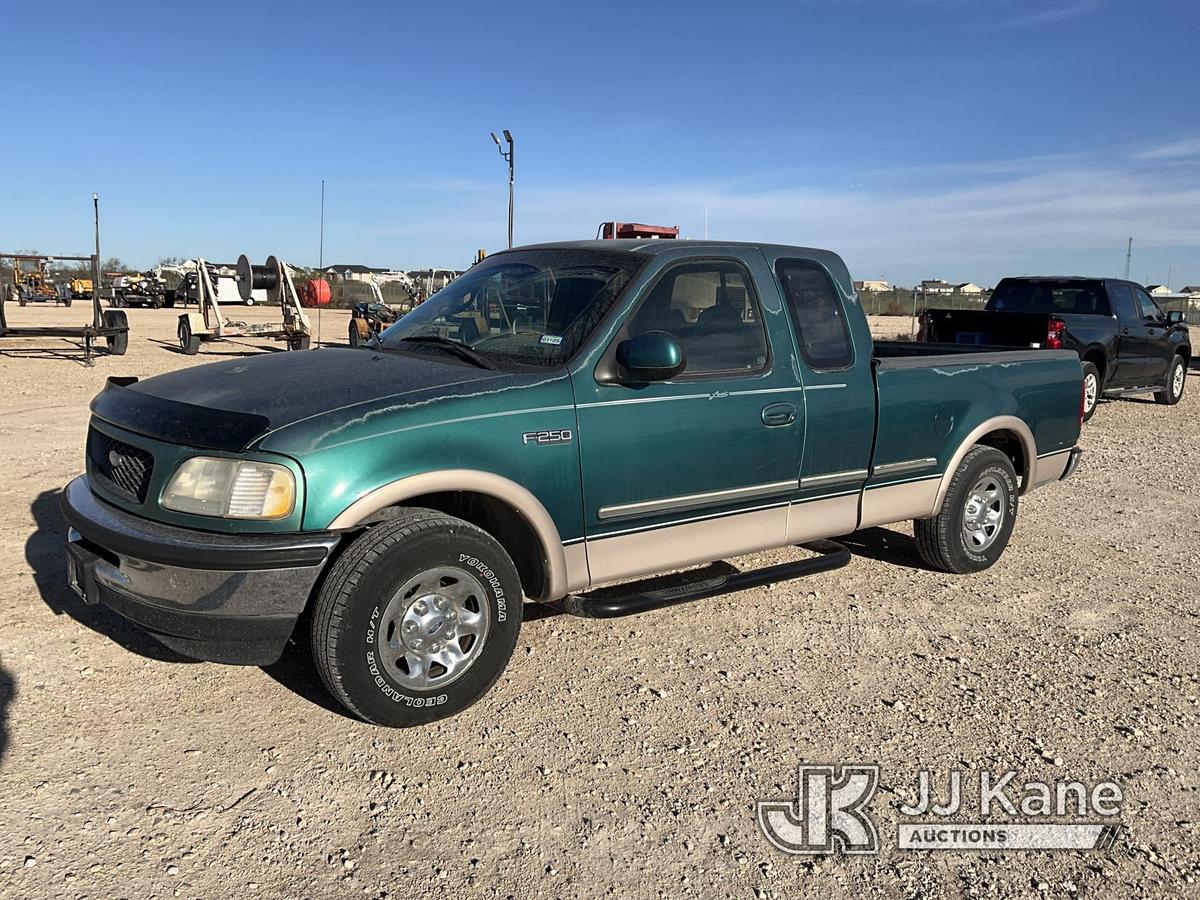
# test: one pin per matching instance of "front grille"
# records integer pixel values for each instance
(118, 466)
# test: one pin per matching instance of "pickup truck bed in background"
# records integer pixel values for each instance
(1126, 343)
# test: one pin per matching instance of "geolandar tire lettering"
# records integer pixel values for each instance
(417, 619)
(976, 520)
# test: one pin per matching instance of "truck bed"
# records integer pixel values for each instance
(885, 350)
(931, 396)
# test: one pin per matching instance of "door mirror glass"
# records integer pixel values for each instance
(651, 356)
(1175, 317)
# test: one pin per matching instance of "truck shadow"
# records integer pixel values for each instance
(8, 693)
(297, 672)
(887, 546)
(46, 554)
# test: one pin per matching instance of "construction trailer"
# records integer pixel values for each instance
(209, 324)
(109, 325)
(31, 276)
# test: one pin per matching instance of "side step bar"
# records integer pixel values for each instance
(833, 556)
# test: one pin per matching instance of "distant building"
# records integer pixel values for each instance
(1158, 289)
(353, 272)
(936, 286)
(1190, 289)
(969, 288)
(872, 285)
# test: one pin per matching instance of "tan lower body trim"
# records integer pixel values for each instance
(817, 519)
(896, 502)
(1051, 466)
(578, 577)
(678, 546)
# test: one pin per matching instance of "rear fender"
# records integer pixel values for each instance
(1011, 424)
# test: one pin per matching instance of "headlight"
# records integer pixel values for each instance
(231, 489)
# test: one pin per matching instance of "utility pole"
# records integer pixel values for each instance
(96, 273)
(508, 158)
(1128, 257)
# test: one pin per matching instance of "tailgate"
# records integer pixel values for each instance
(977, 326)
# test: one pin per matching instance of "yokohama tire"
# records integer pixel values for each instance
(944, 541)
(365, 610)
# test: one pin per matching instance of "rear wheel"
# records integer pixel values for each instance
(417, 619)
(300, 342)
(354, 336)
(1172, 391)
(1091, 389)
(189, 343)
(977, 515)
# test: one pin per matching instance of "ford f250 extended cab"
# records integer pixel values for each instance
(1126, 343)
(560, 417)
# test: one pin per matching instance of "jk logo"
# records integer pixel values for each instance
(828, 811)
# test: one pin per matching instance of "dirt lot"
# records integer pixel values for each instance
(613, 758)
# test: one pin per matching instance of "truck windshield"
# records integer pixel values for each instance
(1046, 295)
(533, 307)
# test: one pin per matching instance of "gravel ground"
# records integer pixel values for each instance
(615, 758)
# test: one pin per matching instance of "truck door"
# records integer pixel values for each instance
(1131, 337)
(702, 466)
(1158, 350)
(833, 341)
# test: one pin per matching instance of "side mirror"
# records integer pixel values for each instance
(653, 356)
(1175, 317)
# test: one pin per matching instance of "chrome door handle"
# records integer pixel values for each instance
(777, 414)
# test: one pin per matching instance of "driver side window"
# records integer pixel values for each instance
(712, 309)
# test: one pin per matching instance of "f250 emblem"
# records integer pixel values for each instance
(557, 436)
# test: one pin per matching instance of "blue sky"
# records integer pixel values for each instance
(964, 139)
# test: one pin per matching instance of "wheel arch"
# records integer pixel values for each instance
(1097, 357)
(1008, 434)
(506, 510)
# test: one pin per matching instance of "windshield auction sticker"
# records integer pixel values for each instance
(981, 811)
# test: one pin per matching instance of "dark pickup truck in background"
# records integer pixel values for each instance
(1126, 343)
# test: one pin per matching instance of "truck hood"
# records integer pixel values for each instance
(228, 405)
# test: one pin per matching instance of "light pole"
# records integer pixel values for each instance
(508, 158)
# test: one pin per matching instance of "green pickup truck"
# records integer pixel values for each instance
(561, 417)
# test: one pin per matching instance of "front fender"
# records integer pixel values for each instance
(472, 481)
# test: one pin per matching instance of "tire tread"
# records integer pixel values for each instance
(338, 587)
(934, 535)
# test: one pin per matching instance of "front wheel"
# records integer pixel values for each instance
(977, 515)
(1172, 391)
(1091, 389)
(417, 619)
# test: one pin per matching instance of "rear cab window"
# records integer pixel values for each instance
(817, 314)
(1054, 296)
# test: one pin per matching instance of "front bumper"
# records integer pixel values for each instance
(230, 598)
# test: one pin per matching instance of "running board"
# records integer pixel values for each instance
(833, 556)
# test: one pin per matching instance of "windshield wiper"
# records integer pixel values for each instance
(458, 348)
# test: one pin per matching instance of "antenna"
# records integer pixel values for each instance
(1128, 257)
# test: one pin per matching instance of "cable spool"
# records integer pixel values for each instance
(258, 278)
